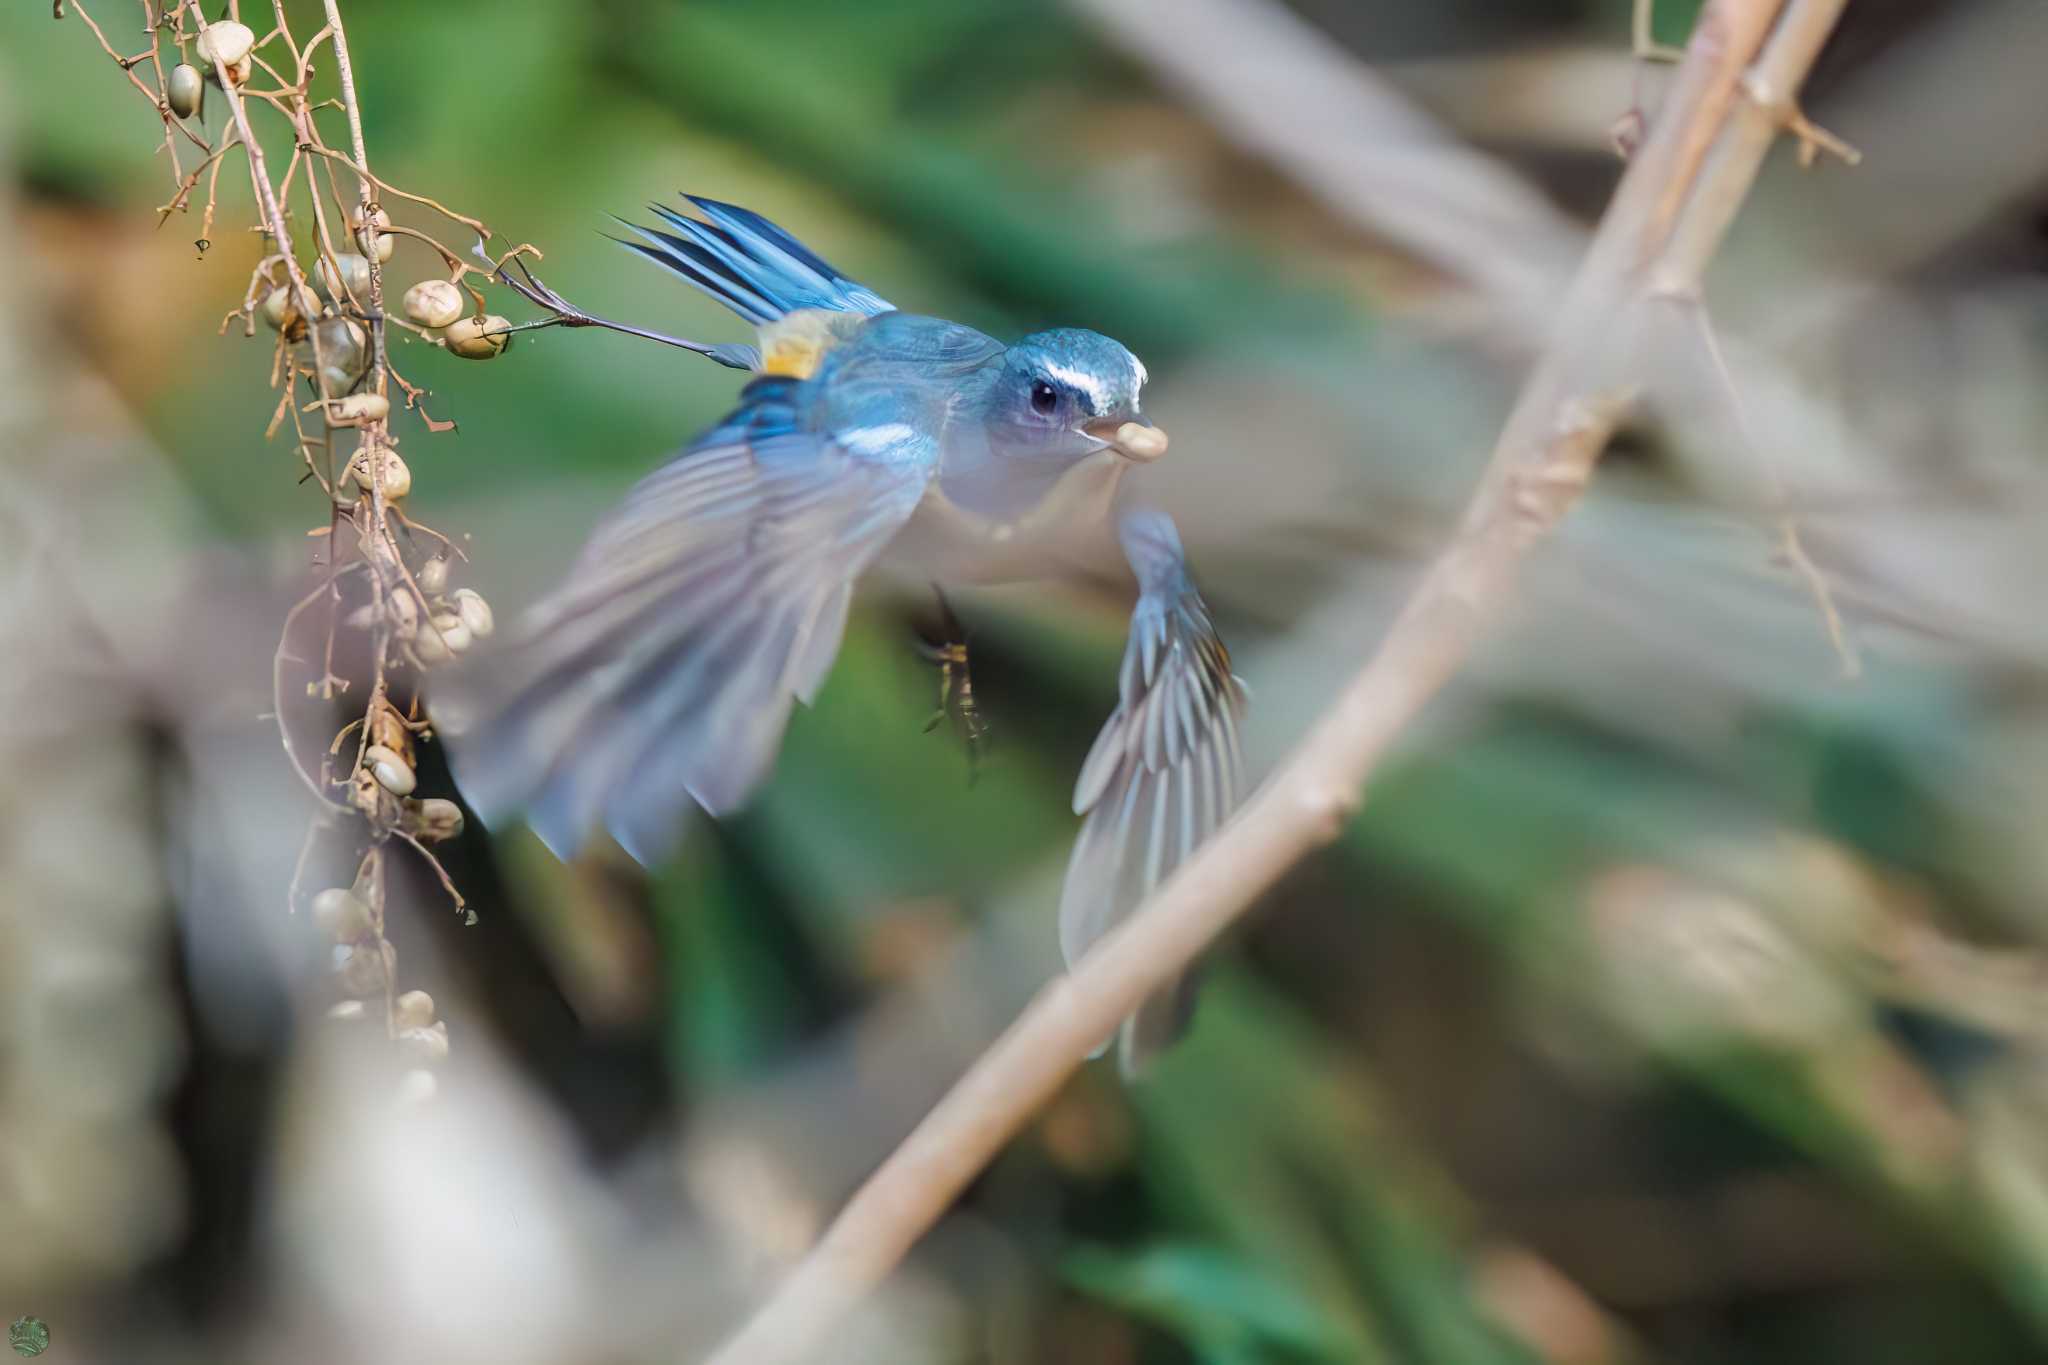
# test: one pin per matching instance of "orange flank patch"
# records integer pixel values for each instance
(794, 356)
(793, 345)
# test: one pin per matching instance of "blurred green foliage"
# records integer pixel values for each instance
(1261, 1139)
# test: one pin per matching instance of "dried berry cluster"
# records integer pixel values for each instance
(320, 290)
(365, 966)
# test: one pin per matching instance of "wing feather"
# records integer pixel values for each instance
(662, 673)
(1163, 772)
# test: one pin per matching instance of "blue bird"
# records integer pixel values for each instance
(661, 675)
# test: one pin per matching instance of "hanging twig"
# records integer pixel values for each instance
(566, 314)
(1791, 544)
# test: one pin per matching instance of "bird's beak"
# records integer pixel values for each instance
(1136, 439)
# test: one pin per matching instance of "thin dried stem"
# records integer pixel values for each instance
(284, 35)
(1790, 543)
(278, 660)
(267, 203)
(155, 98)
(567, 314)
(447, 882)
(191, 182)
(156, 61)
(475, 225)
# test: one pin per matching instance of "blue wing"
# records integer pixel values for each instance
(749, 264)
(1163, 774)
(662, 674)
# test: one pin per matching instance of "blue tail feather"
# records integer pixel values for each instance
(747, 263)
(702, 270)
(736, 220)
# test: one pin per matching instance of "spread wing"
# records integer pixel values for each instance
(1163, 774)
(662, 674)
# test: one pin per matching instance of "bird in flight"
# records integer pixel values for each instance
(660, 676)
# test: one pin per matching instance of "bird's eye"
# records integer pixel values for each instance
(1044, 398)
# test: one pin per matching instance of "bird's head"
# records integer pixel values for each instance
(1068, 393)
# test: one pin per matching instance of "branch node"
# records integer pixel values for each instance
(1674, 287)
(1783, 108)
(1626, 133)
(1329, 808)
(1766, 97)
(1814, 141)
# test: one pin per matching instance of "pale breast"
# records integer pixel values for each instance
(1063, 530)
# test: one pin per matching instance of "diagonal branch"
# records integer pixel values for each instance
(1734, 93)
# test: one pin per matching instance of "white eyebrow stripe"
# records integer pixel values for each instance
(1139, 373)
(1082, 380)
(875, 440)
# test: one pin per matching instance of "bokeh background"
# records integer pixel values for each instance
(1675, 996)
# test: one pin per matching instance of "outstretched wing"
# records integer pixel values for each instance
(1163, 774)
(663, 672)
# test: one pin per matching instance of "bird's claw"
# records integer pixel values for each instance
(956, 699)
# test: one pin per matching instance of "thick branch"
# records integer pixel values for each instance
(1668, 215)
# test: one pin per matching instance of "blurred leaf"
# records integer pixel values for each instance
(54, 104)
(881, 50)
(1554, 813)
(731, 1002)
(1672, 21)
(1227, 1307)
(1354, 1214)
(1214, 1173)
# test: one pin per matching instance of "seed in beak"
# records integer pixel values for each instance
(1139, 441)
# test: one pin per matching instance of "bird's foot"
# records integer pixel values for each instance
(956, 700)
